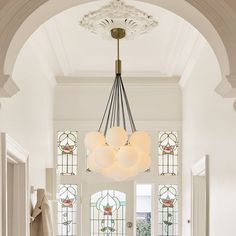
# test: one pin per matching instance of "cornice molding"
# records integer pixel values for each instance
(197, 49)
(99, 80)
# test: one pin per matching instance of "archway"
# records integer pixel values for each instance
(32, 14)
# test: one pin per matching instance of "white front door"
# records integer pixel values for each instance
(108, 209)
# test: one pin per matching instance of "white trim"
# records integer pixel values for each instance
(196, 52)
(12, 152)
(93, 124)
(100, 79)
(200, 169)
(15, 151)
(55, 39)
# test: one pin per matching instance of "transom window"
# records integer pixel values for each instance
(67, 152)
(168, 153)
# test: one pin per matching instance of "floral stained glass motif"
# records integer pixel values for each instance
(67, 210)
(108, 213)
(168, 210)
(168, 153)
(67, 153)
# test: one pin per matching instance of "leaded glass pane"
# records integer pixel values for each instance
(168, 211)
(67, 153)
(67, 210)
(108, 213)
(143, 209)
(168, 153)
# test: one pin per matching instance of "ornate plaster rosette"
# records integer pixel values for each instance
(118, 15)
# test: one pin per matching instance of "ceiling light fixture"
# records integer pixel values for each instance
(112, 151)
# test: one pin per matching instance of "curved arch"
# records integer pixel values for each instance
(200, 13)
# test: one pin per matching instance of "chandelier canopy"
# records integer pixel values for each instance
(117, 150)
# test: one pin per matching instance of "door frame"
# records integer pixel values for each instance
(200, 169)
(12, 152)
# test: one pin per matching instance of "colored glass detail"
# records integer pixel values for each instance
(67, 153)
(67, 210)
(168, 210)
(168, 153)
(108, 213)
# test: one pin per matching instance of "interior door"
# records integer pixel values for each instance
(108, 209)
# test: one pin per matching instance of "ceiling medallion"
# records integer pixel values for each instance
(118, 15)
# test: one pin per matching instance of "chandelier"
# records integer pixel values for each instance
(117, 150)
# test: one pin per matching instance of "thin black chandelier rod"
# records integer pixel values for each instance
(117, 106)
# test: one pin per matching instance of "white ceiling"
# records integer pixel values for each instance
(64, 48)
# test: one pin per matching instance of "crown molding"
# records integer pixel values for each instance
(99, 80)
(58, 48)
(196, 51)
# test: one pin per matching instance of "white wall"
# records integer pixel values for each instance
(209, 127)
(156, 102)
(28, 116)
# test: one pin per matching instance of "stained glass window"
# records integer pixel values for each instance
(67, 210)
(168, 153)
(143, 209)
(168, 211)
(67, 153)
(108, 213)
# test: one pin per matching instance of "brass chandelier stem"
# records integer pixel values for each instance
(118, 49)
(118, 33)
(118, 61)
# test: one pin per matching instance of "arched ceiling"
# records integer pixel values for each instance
(64, 48)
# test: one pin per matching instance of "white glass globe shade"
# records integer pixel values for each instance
(92, 165)
(143, 163)
(106, 172)
(133, 171)
(127, 156)
(116, 137)
(141, 140)
(93, 140)
(104, 156)
(118, 173)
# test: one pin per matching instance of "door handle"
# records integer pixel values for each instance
(129, 225)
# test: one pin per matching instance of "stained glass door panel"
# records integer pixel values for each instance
(108, 208)
(108, 213)
(67, 210)
(168, 210)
